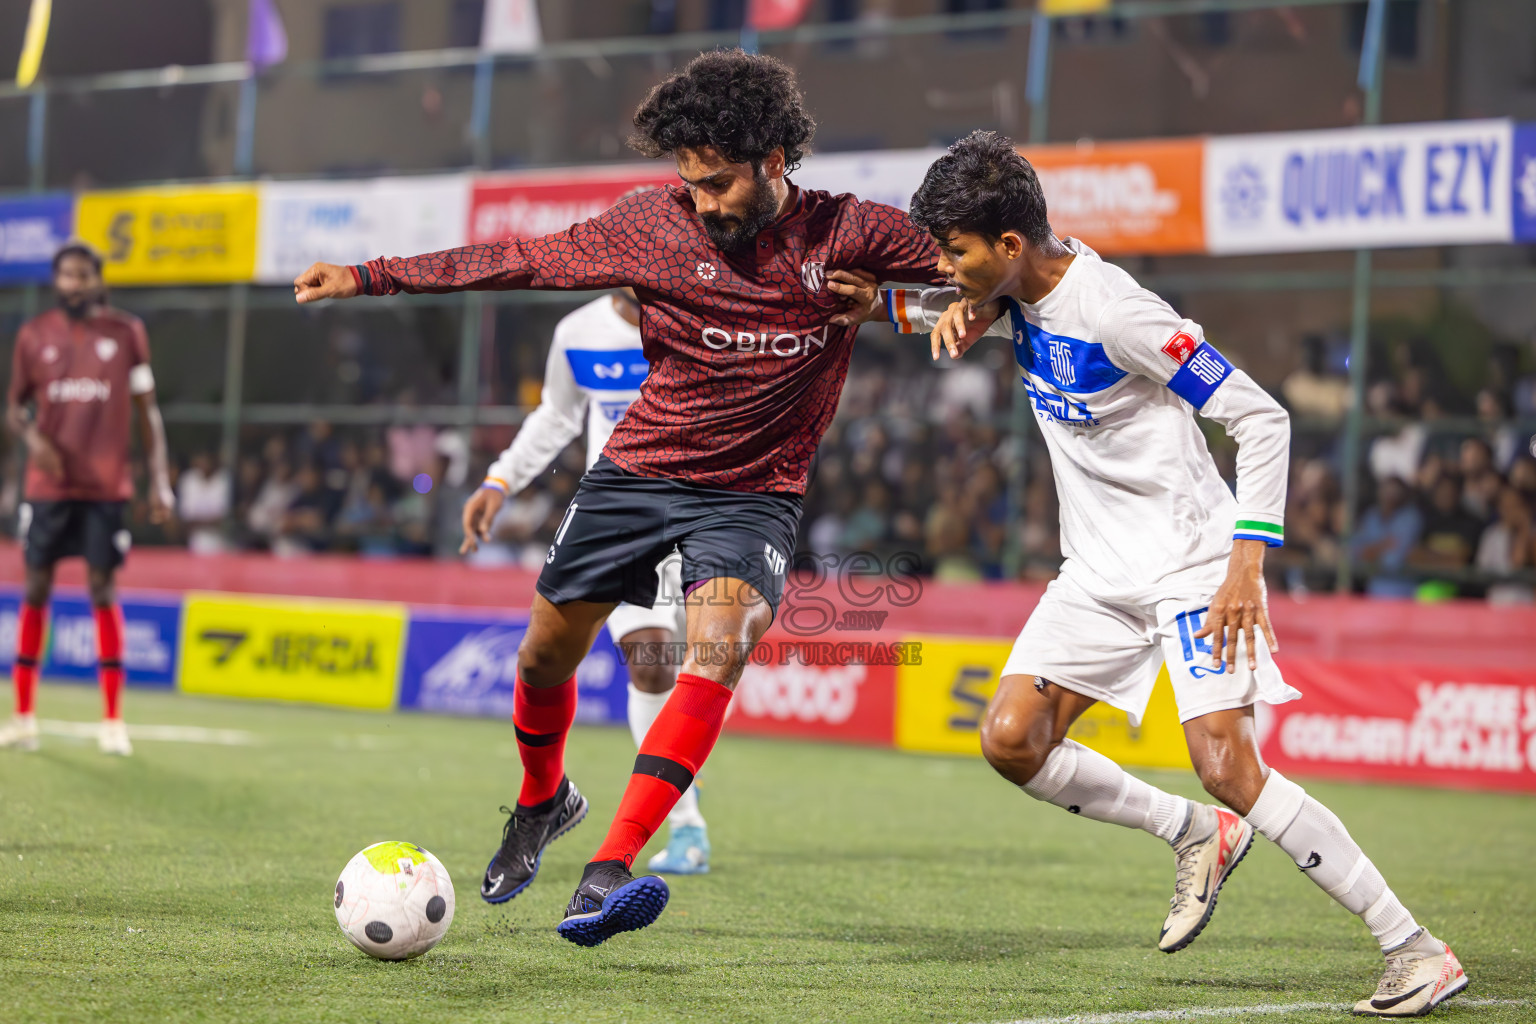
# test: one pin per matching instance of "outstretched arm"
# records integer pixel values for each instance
(607, 251)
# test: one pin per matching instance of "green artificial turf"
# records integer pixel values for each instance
(193, 882)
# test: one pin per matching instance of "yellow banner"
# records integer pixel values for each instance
(178, 235)
(280, 648)
(1060, 7)
(940, 704)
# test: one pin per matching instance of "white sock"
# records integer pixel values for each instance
(1088, 783)
(643, 708)
(1315, 838)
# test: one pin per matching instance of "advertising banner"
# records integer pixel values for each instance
(789, 690)
(31, 230)
(466, 664)
(1471, 728)
(940, 704)
(1422, 184)
(298, 649)
(347, 222)
(151, 630)
(189, 234)
(1125, 197)
(888, 177)
(1523, 178)
(534, 204)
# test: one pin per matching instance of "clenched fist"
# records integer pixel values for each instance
(324, 281)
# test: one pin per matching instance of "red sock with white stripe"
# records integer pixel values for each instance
(675, 748)
(109, 651)
(29, 647)
(542, 718)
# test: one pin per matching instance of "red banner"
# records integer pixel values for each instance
(530, 205)
(1468, 728)
(806, 696)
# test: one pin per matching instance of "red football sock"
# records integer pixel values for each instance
(109, 650)
(542, 718)
(673, 752)
(29, 646)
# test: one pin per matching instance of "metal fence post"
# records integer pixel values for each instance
(238, 320)
(234, 383)
(480, 112)
(1037, 92)
(1369, 79)
(37, 138)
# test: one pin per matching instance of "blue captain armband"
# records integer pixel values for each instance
(1200, 376)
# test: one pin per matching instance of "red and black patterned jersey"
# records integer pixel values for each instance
(746, 368)
(80, 375)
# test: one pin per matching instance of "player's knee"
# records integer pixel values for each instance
(102, 592)
(1011, 743)
(542, 663)
(38, 591)
(652, 678)
(1229, 778)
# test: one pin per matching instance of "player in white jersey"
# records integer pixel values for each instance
(1163, 565)
(593, 373)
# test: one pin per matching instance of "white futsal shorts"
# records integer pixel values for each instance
(1112, 652)
(667, 613)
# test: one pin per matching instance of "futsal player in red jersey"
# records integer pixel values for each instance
(84, 368)
(748, 335)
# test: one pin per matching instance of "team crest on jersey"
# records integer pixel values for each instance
(106, 348)
(813, 276)
(1180, 347)
(1061, 362)
(49, 354)
(707, 271)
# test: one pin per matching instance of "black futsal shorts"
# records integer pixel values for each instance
(51, 530)
(620, 525)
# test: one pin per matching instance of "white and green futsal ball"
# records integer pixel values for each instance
(394, 901)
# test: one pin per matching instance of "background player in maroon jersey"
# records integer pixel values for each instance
(85, 369)
(748, 343)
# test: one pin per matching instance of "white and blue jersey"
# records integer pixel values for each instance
(593, 373)
(1115, 377)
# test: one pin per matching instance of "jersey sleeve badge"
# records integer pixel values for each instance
(1180, 347)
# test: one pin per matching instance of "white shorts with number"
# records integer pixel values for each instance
(667, 613)
(1112, 652)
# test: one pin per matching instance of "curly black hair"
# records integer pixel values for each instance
(76, 247)
(982, 186)
(743, 104)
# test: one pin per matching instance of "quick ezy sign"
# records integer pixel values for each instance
(1423, 184)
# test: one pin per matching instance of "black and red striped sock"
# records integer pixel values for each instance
(673, 752)
(542, 719)
(109, 668)
(29, 648)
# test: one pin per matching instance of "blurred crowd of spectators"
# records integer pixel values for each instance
(919, 464)
(1448, 489)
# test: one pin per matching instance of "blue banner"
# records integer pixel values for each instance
(151, 630)
(31, 230)
(1523, 179)
(467, 665)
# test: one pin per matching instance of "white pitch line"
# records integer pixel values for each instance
(168, 733)
(1198, 1012)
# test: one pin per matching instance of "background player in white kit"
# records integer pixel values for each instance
(1162, 564)
(593, 373)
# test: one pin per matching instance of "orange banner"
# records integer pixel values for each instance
(1125, 198)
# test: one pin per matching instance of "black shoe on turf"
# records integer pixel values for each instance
(527, 832)
(610, 900)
